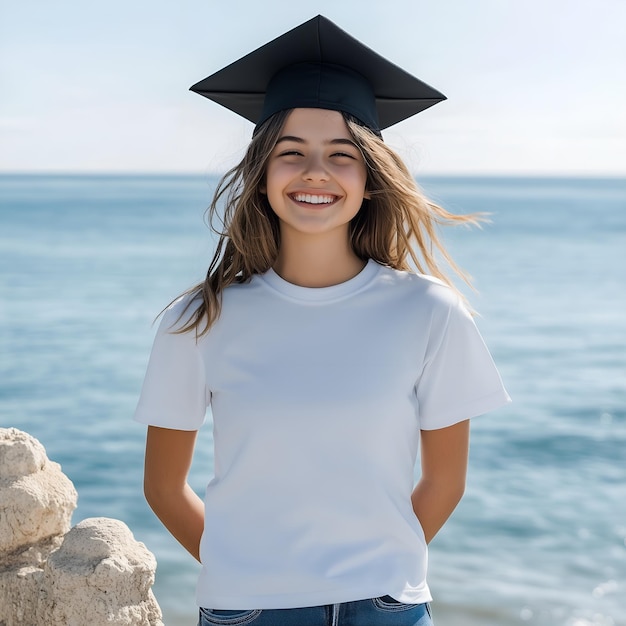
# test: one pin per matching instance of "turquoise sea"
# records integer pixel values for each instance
(87, 262)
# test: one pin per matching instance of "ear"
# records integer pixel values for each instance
(367, 195)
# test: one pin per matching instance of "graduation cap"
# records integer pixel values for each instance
(318, 65)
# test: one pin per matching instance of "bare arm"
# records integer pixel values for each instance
(167, 463)
(444, 468)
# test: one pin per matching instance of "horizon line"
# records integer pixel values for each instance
(197, 173)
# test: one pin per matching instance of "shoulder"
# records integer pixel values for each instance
(179, 312)
(419, 289)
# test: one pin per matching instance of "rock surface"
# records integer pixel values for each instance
(37, 498)
(94, 574)
(99, 570)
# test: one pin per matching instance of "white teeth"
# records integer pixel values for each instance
(310, 199)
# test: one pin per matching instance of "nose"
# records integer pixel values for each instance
(314, 169)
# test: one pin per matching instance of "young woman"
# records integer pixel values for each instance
(325, 361)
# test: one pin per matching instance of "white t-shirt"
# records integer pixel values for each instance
(318, 397)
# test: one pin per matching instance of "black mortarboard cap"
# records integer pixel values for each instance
(318, 65)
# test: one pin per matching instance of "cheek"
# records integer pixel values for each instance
(273, 188)
(360, 182)
(275, 179)
(359, 174)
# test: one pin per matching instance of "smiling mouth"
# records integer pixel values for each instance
(309, 198)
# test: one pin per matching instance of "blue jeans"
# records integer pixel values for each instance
(383, 611)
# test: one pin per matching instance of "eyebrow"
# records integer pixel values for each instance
(338, 141)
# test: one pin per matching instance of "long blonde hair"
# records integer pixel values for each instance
(396, 226)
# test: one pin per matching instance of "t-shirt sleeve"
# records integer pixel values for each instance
(174, 393)
(459, 379)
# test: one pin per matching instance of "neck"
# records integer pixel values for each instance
(317, 261)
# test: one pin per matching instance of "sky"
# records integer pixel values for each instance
(533, 86)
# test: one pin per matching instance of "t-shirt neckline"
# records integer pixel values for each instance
(321, 294)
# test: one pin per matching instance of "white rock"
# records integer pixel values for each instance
(95, 574)
(99, 575)
(20, 454)
(37, 498)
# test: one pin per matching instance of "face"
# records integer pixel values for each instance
(315, 177)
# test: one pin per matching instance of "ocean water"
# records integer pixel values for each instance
(87, 262)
